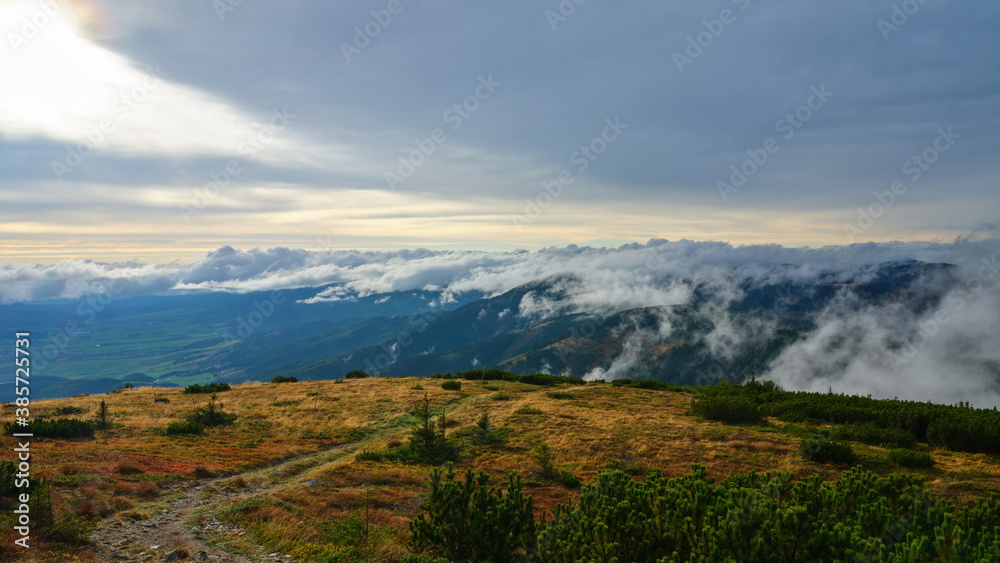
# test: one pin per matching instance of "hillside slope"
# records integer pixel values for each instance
(284, 478)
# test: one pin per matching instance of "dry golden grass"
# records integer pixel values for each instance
(127, 466)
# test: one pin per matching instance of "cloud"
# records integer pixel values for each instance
(601, 280)
(948, 353)
(635, 342)
(938, 341)
(221, 80)
(98, 101)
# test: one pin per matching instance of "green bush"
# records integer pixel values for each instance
(558, 395)
(352, 531)
(207, 388)
(870, 433)
(40, 500)
(747, 517)
(422, 558)
(473, 521)
(487, 374)
(427, 442)
(500, 397)
(370, 455)
(545, 379)
(910, 458)
(650, 384)
(568, 480)
(729, 408)
(451, 385)
(356, 374)
(286, 403)
(545, 457)
(284, 379)
(71, 410)
(197, 420)
(184, 427)
(211, 415)
(314, 435)
(754, 517)
(957, 427)
(72, 529)
(494, 374)
(59, 428)
(823, 451)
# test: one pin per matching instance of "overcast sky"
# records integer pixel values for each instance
(519, 124)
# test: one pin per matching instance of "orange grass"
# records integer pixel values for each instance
(642, 429)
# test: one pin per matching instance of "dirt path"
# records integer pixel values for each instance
(163, 536)
(188, 530)
(189, 525)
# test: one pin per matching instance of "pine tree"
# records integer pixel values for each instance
(543, 455)
(103, 423)
(428, 442)
(473, 521)
(484, 432)
(423, 434)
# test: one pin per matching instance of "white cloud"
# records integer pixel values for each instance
(601, 280)
(59, 85)
(947, 352)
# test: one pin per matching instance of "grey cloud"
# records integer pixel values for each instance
(606, 279)
(933, 71)
(947, 352)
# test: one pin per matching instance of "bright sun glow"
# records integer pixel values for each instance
(60, 85)
(53, 76)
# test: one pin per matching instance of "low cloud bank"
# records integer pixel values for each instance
(948, 352)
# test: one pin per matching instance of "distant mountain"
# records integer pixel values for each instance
(98, 342)
(681, 344)
(88, 346)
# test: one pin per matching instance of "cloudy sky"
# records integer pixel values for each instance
(164, 129)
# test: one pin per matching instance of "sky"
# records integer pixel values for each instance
(164, 131)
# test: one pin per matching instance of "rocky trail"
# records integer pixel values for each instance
(189, 530)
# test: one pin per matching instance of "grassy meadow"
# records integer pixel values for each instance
(316, 429)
